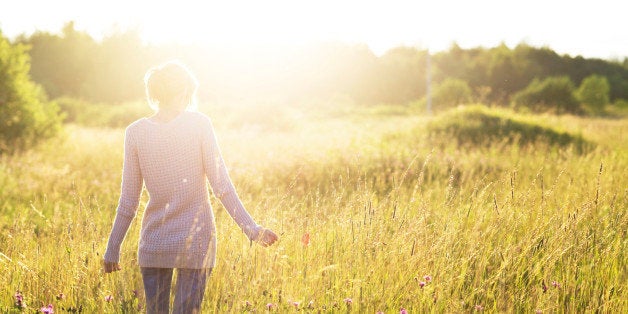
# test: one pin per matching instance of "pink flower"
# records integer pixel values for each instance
(479, 307)
(269, 306)
(403, 311)
(422, 284)
(296, 304)
(555, 284)
(47, 309)
(305, 239)
(538, 312)
(379, 312)
(427, 278)
(19, 300)
(348, 301)
(109, 298)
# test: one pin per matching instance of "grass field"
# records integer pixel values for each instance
(401, 214)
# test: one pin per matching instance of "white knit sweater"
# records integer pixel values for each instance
(173, 161)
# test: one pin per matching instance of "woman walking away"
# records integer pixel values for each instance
(173, 153)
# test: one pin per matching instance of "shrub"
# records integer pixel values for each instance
(619, 109)
(121, 115)
(73, 109)
(621, 103)
(551, 94)
(26, 116)
(594, 93)
(101, 115)
(451, 93)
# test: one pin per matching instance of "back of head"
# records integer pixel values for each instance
(170, 86)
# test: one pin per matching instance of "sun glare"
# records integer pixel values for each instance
(227, 22)
(381, 25)
(282, 23)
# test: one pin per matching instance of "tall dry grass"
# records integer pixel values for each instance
(397, 217)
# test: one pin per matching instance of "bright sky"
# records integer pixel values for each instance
(588, 28)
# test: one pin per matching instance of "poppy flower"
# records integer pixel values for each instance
(305, 239)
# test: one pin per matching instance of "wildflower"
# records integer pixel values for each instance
(538, 312)
(544, 286)
(379, 312)
(422, 284)
(296, 304)
(305, 239)
(348, 301)
(60, 296)
(555, 284)
(479, 307)
(269, 306)
(427, 278)
(19, 300)
(403, 311)
(47, 309)
(109, 298)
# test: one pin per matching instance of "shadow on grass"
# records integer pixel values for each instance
(482, 126)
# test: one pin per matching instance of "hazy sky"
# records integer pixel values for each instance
(587, 28)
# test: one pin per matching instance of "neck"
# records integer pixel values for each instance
(165, 115)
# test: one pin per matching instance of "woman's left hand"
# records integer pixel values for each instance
(267, 237)
(109, 267)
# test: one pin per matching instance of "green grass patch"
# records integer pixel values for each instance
(480, 125)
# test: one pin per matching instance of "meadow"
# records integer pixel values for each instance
(378, 209)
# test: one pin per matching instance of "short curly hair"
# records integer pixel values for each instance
(170, 86)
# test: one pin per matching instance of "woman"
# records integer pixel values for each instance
(172, 154)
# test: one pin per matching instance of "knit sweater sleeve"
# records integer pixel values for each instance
(129, 199)
(222, 186)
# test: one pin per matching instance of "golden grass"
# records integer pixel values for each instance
(384, 204)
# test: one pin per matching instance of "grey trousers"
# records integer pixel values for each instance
(189, 289)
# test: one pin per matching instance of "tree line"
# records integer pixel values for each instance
(75, 69)
(74, 64)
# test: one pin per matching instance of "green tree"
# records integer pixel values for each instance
(73, 64)
(450, 93)
(26, 117)
(119, 72)
(402, 76)
(505, 73)
(62, 64)
(551, 94)
(594, 92)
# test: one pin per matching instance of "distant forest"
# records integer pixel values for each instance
(111, 70)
